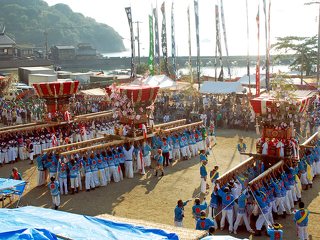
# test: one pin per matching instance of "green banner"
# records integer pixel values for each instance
(151, 47)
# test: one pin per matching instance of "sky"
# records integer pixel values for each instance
(287, 18)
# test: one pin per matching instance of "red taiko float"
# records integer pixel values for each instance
(143, 95)
(261, 104)
(56, 94)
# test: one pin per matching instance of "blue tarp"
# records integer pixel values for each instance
(222, 237)
(73, 226)
(28, 233)
(6, 183)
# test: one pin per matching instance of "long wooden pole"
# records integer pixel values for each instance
(163, 125)
(229, 174)
(182, 127)
(267, 172)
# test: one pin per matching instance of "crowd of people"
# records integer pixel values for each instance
(99, 167)
(229, 111)
(25, 145)
(259, 204)
(15, 112)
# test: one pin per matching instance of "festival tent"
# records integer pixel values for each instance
(220, 87)
(161, 81)
(245, 80)
(40, 223)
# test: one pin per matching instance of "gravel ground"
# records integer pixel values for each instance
(153, 199)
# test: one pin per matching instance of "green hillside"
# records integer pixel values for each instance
(27, 21)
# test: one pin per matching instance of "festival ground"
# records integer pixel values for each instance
(153, 199)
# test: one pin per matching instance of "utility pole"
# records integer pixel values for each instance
(138, 40)
(318, 56)
(46, 44)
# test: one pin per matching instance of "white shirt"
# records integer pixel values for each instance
(265, 148)
(281, 146)
(128, 154)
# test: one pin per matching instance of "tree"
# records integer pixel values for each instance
(303, 50)
(142, 68)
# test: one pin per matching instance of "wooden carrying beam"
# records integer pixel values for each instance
(92, 114)
(227, 176)
(170, 124)
(264, 157)
(18, 126)
(267, 172)
(105, 145)
(90, 148)
(61, 147)
(174, 129)
(307, 143)
(27, 128)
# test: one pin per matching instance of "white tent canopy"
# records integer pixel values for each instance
(245, 80)
(161, 81)
(220, 87)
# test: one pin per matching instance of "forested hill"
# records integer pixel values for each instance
(28, 20)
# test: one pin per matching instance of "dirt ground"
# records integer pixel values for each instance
(154, 199)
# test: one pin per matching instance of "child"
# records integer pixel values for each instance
(159, 159)
(55, 193)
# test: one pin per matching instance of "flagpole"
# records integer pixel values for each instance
(248, 46)
(225, 37)
(173, 42)
(164, 44)
(258, 60)
(189, 42)
(157, 43)
(267, 51)
(196, 12)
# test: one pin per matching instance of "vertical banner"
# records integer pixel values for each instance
(218, 43)
(258, 60)
(248, 47)
(189, 42)
(225, 36)
(129, 15)
(164, 39)
(196, 13)
(151, 47)
(269, 41)
(266, 36)
(156, 40)
(173, 43)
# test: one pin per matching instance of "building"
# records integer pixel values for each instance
(7, 47)
(86, 52)
(63, 53)
(24, 50)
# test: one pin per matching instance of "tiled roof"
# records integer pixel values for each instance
(5, 40)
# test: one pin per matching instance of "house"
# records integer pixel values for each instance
(25, 50)
(7, 47)
(86, 52)
(62, 53)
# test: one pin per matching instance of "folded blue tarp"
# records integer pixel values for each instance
(28, 233)
(7, 183)
(74, 226)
